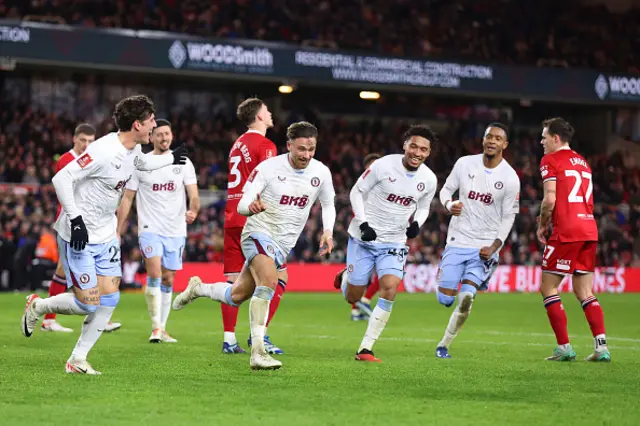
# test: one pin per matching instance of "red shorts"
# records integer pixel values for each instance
(232, 257)
(569, 258)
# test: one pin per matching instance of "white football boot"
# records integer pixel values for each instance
(188, 295)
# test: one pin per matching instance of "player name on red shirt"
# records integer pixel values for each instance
(246, 153)
(572, 218)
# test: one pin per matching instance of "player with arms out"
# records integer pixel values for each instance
(390, 202)
(251, 149)
(89, 190)
(361, 310)
(277, 198)
(162, 225)
(483, 215)
(571, 248)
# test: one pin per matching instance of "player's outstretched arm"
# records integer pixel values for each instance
(124, 209)
(327, 202)
(451, 185)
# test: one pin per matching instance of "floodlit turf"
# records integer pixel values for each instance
(498, 375)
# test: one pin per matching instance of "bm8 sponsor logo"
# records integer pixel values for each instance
(483, 198)
(288, 200)
(168, 187)
(398, 199)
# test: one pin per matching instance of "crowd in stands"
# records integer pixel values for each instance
(31, 141)
(543, 33)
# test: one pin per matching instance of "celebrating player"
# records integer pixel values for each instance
(247, 152)
(277, 198)
(571, 248)
(162, 225)
(361, 310)
(83, 135)
(489, 193)
(390, 201)
(89, 190)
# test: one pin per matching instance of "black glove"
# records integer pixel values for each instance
(79, 234)
(180, 155)
(368, 234)
(413, 230)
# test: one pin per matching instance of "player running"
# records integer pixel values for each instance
(83, 135)
(89, 190)
(277, 198)
(162, 225)
(571, 248)
(391, 202)
(361, 310)
(483, 215)
(251, 149)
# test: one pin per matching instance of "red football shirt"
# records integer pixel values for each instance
(246, 153)
(64, 159)
(573, 218)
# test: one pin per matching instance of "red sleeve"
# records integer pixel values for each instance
(547, 169)
(65, 159)
(266, 150)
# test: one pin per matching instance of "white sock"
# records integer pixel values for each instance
(92, 329)
(230, 337)
(377, 323)
(154, 304)
(258, 312)
(600, 342)
(167, 293)
(458, 318)
(215, 291)
(64, 303)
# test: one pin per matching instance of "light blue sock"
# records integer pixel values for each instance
(153, 282)
(384, 304)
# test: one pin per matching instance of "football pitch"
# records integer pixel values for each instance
(497, 376)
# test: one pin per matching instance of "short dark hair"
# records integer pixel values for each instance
(161, 122)
(421, 130)
(499, 125)
(560, 127)
(132, 109)
(248, 110)
(370, 158)
(301, 129)
(84, 128)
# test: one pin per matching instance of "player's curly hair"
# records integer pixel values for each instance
(302, 129)
(248, 110)
(421, 130)
(132, 109)
(560, 127)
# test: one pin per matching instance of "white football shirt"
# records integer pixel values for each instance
(392, 195)
(487, 195)
(288, 195)
(91, 186)
(161, 199)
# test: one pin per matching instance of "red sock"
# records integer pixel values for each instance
(229, 317)
(353, 306)
(57, 286)
(275, 302)
(373, 288)
(557, 318)
(594, 314)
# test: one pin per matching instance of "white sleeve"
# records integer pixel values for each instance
(150, 161)
(424, 204)
(252, 189)
(365, 183)
(510, 207)
(190, 177)
(451, 185)
(327, 197)
(83, 167)
(134, 182)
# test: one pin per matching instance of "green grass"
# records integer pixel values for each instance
(498, 375)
